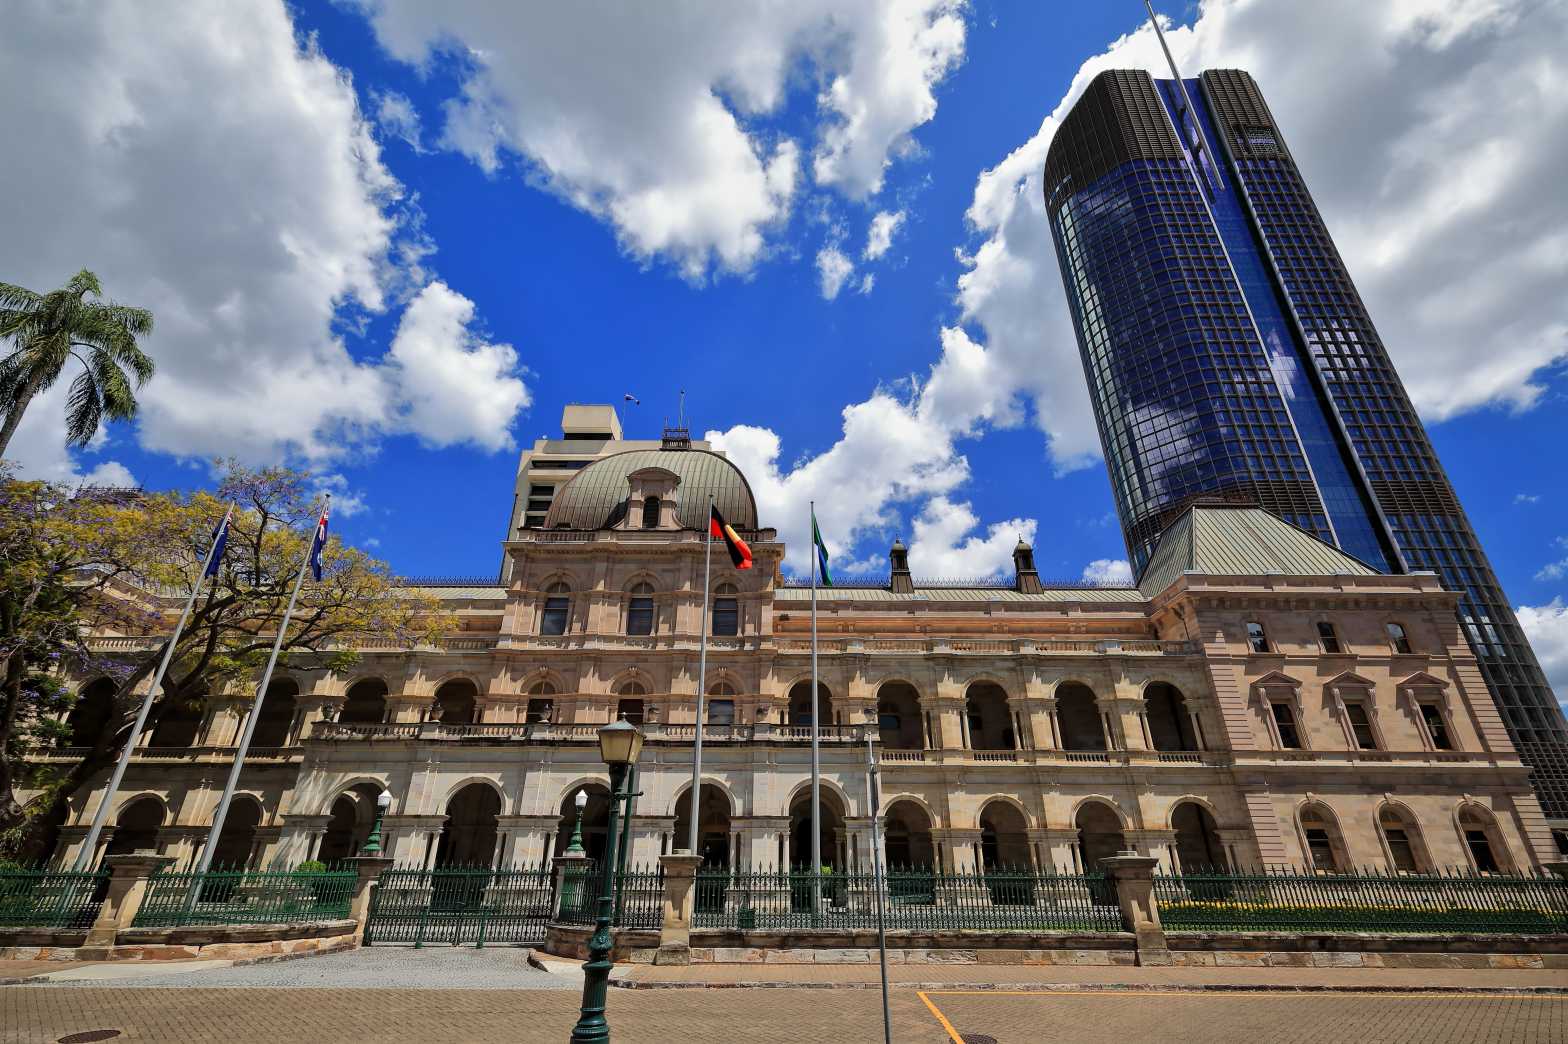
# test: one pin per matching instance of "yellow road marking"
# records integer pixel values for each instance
(951, 1032)
(1227, 993)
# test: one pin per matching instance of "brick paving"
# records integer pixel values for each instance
(962, 974)
(237, 1016)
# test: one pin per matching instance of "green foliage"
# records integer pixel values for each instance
(311, 866)
(48, 331)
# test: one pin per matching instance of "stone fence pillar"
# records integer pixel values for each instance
(128, 878)
(680, 878)
(1133, 876)
(370, 868)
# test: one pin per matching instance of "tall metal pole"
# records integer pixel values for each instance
(255, 709)
(90, 844)
(694, 805)
(874, 797)
(592, 1027)
(816, 713)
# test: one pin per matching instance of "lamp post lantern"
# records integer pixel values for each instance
(373, 842)
(575, 847)
(620, 743)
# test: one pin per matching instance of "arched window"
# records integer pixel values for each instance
(366, 703)
(726, 611)
(277, 717)
(650, 513)
(1078, 717)
(721, 704)
(639, 609)
(1325, 850)
(1482, 840)
(90, 714)
(1403, 839)
(631, 706)
(541, 708)
(557, 607)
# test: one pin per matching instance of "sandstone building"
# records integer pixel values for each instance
(1260, 697)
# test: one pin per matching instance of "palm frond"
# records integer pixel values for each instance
(119, 401)
(18, 298)
(83, 283)
(83, 410)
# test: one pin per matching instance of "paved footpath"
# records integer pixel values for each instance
(439, 995)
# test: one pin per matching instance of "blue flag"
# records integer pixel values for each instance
(319, 543)
(220, 537)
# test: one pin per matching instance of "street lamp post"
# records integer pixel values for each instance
(619, 745)
(575, 847)
(373, 842)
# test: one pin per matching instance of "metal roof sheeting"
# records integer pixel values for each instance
(959, 594)
(595, 497)
(1241, 541)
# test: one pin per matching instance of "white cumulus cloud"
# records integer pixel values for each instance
(213, 166)
(833, 269)
(655, 117)
(1547, 628)
(398, 117)
(879, 237)
(1108, 572)
(945, 543)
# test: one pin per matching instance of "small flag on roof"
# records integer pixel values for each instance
(740, 553)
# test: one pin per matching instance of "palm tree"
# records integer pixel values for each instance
(47, 331)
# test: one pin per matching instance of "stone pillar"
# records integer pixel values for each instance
(128, 878)
(1133, 876)
(370, 868)
(680, 878)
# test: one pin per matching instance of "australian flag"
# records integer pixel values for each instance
(220, 538)
(319, 543)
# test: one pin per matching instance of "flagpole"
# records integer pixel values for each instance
(694, 805)
(255, 708)
(874, 801)
(816, 712)
(90, 844)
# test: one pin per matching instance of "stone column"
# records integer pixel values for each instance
(1133, 876)
(128, 878)
(369, 868)
(680, 878)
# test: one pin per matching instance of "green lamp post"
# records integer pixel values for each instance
(619, 745)
(575, 847)
(372, 845)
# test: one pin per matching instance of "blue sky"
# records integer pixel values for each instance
(388, 241)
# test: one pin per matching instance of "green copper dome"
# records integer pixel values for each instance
(595, 498)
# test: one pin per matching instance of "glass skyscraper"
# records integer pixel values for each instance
(1229, 356)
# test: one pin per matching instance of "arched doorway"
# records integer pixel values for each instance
(899, 720)
(713, 825)
(468, 839)
(596, 820)
(1099, 835)
(136, 827)
(1198, 847)
(366, 703)
(631, 703)
(831, 832)
(1004, 854)
(1079, 718)
(457, 703)
(181, 722)
(277, 718)
(907, 837)
(800, 704)
(238, 839)
(349, 824)
(89, 715)
(1170, 724)
(989, 718)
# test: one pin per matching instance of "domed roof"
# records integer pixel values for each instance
(595, 498)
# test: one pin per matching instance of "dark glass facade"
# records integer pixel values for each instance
(1229, 355)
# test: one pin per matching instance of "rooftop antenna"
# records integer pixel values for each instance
(1197, 146)
(682, 414)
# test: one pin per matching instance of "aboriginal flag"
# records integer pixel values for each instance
(740, 554)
